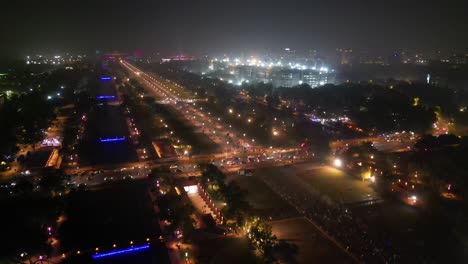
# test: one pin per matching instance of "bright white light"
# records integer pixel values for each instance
(191, 189)
(337, 163)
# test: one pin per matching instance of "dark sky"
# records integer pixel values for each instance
(207, 26)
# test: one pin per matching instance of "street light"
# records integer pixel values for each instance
(337, 162)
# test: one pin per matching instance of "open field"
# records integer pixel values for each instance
(326, 180)
(313, 247)
(335, 183)
(264, 201)
(117, 213)
(226, 250)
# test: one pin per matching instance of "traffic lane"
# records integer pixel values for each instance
(154, 84)
(109, 176)
(247, 166)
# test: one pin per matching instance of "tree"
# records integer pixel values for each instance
(24, 186)
(51, 182)
(426, 142)
(261, 237)
(211, 173)
(272, 100)
(285, 251)
(448, 139)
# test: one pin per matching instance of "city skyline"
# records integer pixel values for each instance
(218, 27)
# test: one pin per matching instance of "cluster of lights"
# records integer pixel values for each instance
(259, 63)
(170, 97)
(56, 59)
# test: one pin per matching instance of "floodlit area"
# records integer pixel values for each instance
(329, 181)
(336, 184)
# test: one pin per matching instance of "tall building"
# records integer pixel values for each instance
(287, 78)
(289, 55)
(345, 56)
(293, 77)
(314, 78)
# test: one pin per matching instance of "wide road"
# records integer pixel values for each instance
(182, 169)
(205, 122)
(396, 142)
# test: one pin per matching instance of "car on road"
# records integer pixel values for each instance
(246, 172)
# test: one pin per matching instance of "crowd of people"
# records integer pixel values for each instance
(333, 218)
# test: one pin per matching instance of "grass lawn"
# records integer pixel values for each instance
(336, 184)
(264, 201)
(313, 247)
(226, 250)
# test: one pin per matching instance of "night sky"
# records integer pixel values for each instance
(212, 27)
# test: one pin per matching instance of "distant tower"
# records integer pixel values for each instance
(428, 78)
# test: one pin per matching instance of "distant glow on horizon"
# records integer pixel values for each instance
(122, 251)
(112, 139)
(105, 78)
